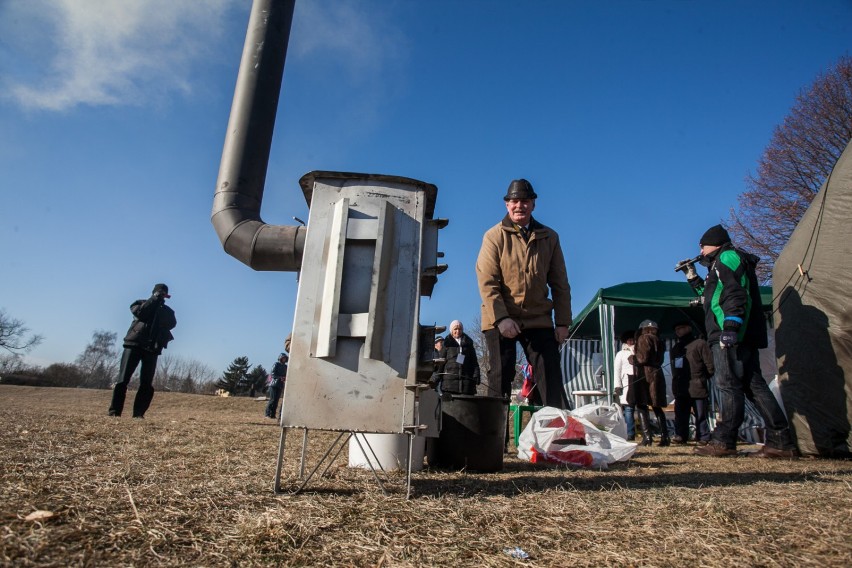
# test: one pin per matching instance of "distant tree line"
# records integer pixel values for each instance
(96, 367)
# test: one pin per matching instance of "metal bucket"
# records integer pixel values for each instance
(473, 433)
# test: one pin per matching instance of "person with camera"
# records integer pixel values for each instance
(148, 335)
(524, 288)
(736, 329)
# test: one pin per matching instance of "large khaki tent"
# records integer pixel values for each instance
(812, 284)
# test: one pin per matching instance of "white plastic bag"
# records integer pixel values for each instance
(571, 438)
(607, 418)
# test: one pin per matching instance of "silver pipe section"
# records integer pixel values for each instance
(245, 156)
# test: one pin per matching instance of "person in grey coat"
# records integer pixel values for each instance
(148, 335)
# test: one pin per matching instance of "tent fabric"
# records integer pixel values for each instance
(813, 311)
(580, 359)
(623, 307)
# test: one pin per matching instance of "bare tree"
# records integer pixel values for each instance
(200, 374)
(13, 335)
(479, 344)
(11, 363)
(164, 376)
(794, 165)
(481, 347)
(178, 374)
(99, 362)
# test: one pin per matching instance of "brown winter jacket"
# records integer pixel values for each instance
(514, 277)
(650, 352)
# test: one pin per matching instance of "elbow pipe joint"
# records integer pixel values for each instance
(245, 156)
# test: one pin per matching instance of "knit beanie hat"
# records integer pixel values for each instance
(715, 236)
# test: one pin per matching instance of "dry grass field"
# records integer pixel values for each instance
(191, 485)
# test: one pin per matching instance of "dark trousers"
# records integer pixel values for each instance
(542, 353)
(682, 409)
(684, 405)
(738, 376)
(130, 359)
(701, 406)
(274, 394)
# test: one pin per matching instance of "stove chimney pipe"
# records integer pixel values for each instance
(245, 156)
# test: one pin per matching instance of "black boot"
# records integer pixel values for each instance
(644, 426)
(664, 427)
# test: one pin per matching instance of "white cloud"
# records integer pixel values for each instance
(104, 52)
(59, 54)
(358, 37)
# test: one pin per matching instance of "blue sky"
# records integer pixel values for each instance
(636, 122)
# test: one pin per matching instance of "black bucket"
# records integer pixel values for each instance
(473, 433)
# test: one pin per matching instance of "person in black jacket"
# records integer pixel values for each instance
(736, 329)
(692, 367)
(148, 335)
(276, 384)
(459, 371)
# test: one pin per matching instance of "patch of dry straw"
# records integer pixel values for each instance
(192, 484)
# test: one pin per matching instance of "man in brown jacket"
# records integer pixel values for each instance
(524, 284)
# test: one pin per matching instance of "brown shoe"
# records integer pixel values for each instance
(775, 453)
(714, 449)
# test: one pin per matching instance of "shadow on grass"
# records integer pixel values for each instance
(474, 485)
(463, 485)
(519, 478)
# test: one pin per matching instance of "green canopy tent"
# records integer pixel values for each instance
(623, 307)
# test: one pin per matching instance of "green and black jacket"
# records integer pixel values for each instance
(732, 297)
